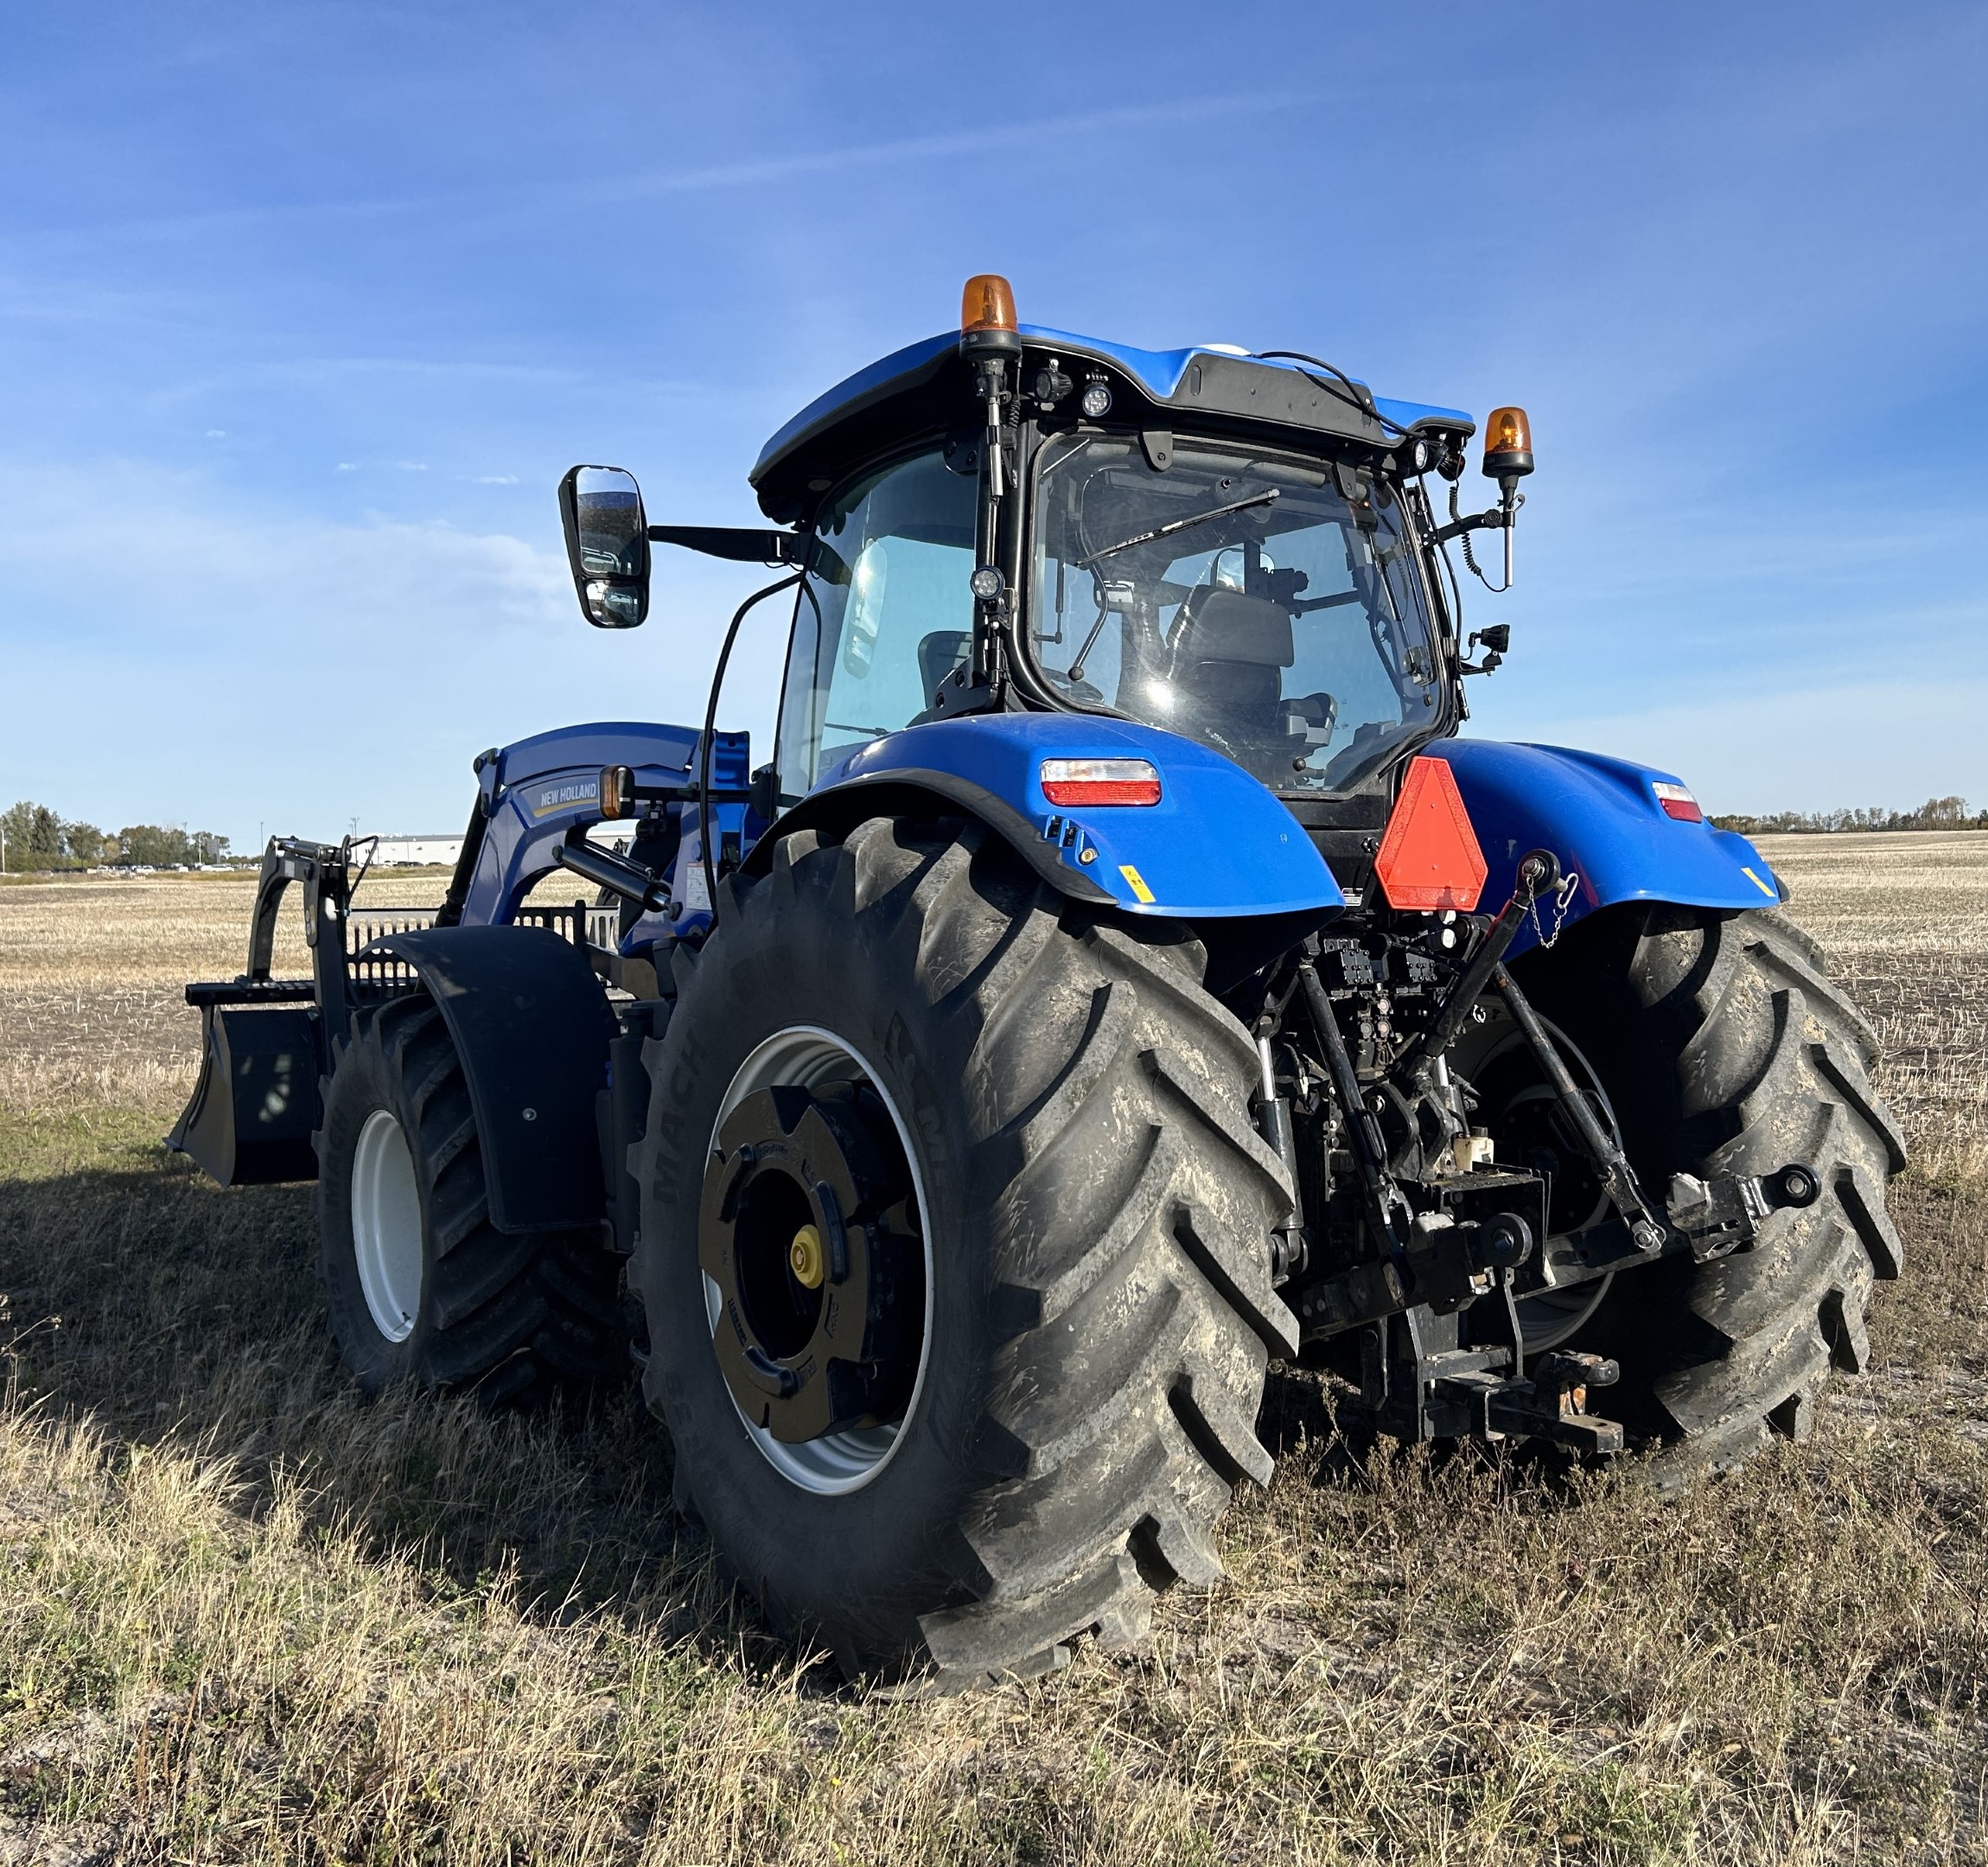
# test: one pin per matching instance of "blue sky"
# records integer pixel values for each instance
(303, 310)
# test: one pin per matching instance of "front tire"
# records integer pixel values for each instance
(1725, 1049)
(1095, 1212)
(419, 1285)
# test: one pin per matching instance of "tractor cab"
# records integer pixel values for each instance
(1238, 550)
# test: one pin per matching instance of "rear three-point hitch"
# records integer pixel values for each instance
(1428, 1258)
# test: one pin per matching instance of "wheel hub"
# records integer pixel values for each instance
(808, 1234)
(803, 1258)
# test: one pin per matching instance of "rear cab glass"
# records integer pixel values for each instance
(1282, 623)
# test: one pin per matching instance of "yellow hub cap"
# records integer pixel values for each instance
(803, 1256)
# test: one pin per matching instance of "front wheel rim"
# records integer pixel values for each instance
(803, 1056)
(386, 1243)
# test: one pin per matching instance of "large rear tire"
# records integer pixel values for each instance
(1725, 1049)
(419, 1285)
(1087, 1358)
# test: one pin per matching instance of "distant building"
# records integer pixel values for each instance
(395, 850)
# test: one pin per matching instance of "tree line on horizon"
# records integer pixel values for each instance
(1935, 813)
(38, 839)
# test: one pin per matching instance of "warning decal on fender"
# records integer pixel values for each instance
(1136, 882)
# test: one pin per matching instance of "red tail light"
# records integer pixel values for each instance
(1678, 802)
(1069, 782)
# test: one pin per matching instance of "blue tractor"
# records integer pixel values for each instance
(1118, 978)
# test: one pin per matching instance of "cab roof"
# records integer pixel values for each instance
(925, 388)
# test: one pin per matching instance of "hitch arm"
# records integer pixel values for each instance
(1712, 1217)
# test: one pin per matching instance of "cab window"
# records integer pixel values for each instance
(885, 614)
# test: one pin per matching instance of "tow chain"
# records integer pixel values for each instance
(1563, 900)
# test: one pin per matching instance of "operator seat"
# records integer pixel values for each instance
(1229, 651)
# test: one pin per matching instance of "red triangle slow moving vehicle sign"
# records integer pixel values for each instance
(1429, 858)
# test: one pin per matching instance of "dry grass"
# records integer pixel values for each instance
(1905, 919)
(92, 972)
(243, 1616)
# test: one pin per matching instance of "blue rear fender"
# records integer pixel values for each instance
(1217, 846)
(1601, 818)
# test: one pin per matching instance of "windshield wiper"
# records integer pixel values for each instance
(1173, 525)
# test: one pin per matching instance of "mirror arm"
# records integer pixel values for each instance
(741, 543)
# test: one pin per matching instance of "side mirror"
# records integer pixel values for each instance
(607, 544)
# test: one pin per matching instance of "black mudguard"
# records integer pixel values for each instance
(532, 1026)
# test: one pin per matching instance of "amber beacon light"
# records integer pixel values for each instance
(988, 303)
(1508, 444)
(989, 340)
(987, 325)
(1507, 459)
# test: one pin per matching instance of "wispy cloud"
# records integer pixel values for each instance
(981, 140)
(456, 637)
(513, 201)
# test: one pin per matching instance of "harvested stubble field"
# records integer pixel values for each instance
(244, 1615)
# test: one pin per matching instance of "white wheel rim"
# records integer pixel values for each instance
(801, 1056)
(386, 1226)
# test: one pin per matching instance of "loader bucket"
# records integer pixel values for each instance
(253, 1111)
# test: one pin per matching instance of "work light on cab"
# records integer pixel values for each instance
(1678, 802)
(1069, 782)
